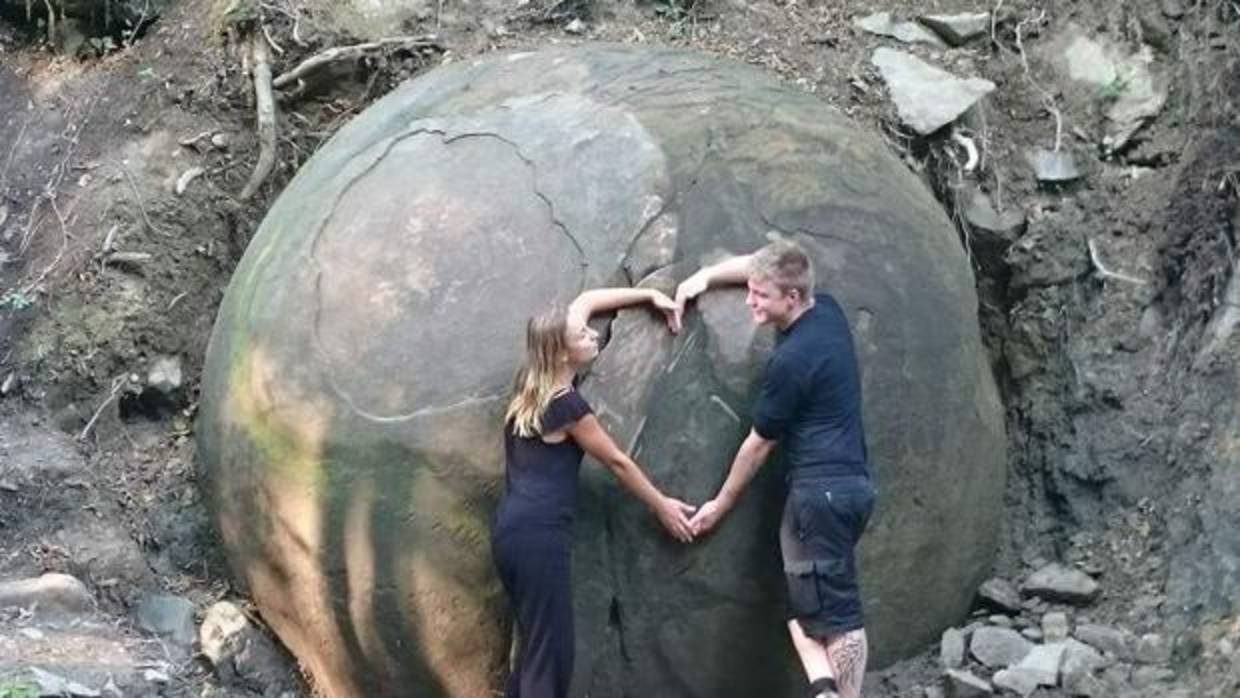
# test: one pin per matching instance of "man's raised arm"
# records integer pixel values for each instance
(731, 271)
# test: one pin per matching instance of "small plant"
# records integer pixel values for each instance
(17, 689)
(15, 300)
(1115, 89)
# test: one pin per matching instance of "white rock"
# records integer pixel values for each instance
(927, 98)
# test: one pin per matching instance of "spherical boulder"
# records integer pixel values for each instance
(349, 426)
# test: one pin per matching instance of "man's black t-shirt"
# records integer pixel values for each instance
(811, 396)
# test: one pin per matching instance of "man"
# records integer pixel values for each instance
(810, 403)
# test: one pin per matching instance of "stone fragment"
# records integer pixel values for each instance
(51, 594)
(1055, 626)
(882, 24)
(56, 685)
(958, 29)
(1144, 677)
(1076, 670)
(1136, 95)
(1117, 642)
(575, 27)
(962, 684)
(1058, 583)
(1172, 9)
(1154, 31)
(1000, 620)
(1018, 680)
(998, 647)
(1053, 165)
(1032, 633)
(951, 648)
(241, 653)
(168, 616)
(931, 692)
(1152, 648)
(999, 594)
(220, 141)
(927, 98)
(165, 375)
(1043, 662)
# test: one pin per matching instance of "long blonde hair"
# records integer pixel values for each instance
(546, 346)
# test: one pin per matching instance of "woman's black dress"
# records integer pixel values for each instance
(532, 545)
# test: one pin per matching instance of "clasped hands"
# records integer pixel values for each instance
(682, 520)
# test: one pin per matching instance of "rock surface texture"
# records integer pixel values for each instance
(350, 419)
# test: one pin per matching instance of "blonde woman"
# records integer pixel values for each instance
(547, 429)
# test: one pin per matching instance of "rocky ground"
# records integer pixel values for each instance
(1089, 152)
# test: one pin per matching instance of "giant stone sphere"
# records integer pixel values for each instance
(351, 410)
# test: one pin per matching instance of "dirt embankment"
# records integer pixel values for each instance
(1105, 308)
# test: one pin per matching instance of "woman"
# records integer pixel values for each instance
(547, 428)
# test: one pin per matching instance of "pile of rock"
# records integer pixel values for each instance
(1038, 636)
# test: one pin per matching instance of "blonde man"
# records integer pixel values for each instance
(810, 403)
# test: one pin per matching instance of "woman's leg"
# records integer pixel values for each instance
(542, 598)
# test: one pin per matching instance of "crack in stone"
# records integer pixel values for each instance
(447, 139)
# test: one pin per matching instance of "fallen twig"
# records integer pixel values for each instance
(265, 105)
(340, 53)
(1107, 273)
(117, 383)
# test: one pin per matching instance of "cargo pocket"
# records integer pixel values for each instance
(803, 598)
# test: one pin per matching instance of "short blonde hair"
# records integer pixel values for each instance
(785, 264)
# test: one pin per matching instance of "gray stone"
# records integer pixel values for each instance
(1058, 583)
(883, 24)
(1076, 671)
(1118, 643)
(1155, 31)
(1018, 680)
(958, 29)
(56, 685)
(1000, 594)
(1000, 620)
(962, 684)
(1031, 633)
(1172, 9)
(927, 98)
(931, 692)
(1053, 165)
(49, 594)
(1055, 626)
(1007, 225)
(220, 141)
(998, 647)
(951, 648)
(1152, 648)
(241, 653)
(167, 616)
(346, 464)
(1148, 676)
(1043, 662)
(165, 375)
(1135, 93)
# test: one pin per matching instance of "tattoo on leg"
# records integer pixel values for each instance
(847, 654)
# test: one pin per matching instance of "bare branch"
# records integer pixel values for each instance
(340, 53)
(1107, 273)
(265, 105)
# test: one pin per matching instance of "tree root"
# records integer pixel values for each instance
(340, 53)
(266, 108)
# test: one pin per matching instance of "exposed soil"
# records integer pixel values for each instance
(1111, 396)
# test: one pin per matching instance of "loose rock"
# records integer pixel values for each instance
(1053, 165)
(958, 29)
(1108, 639)
(1058, 583)
(1018, 680)
(55, 685)
(998, 647)
(1055, 626)
(1043, 662)
(1153, 649)
(51, 593)
(1000, 594)
(242, 653)
(951, 648)
(927, 98)
(169, 616)
(882, 24)
(962, 684)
